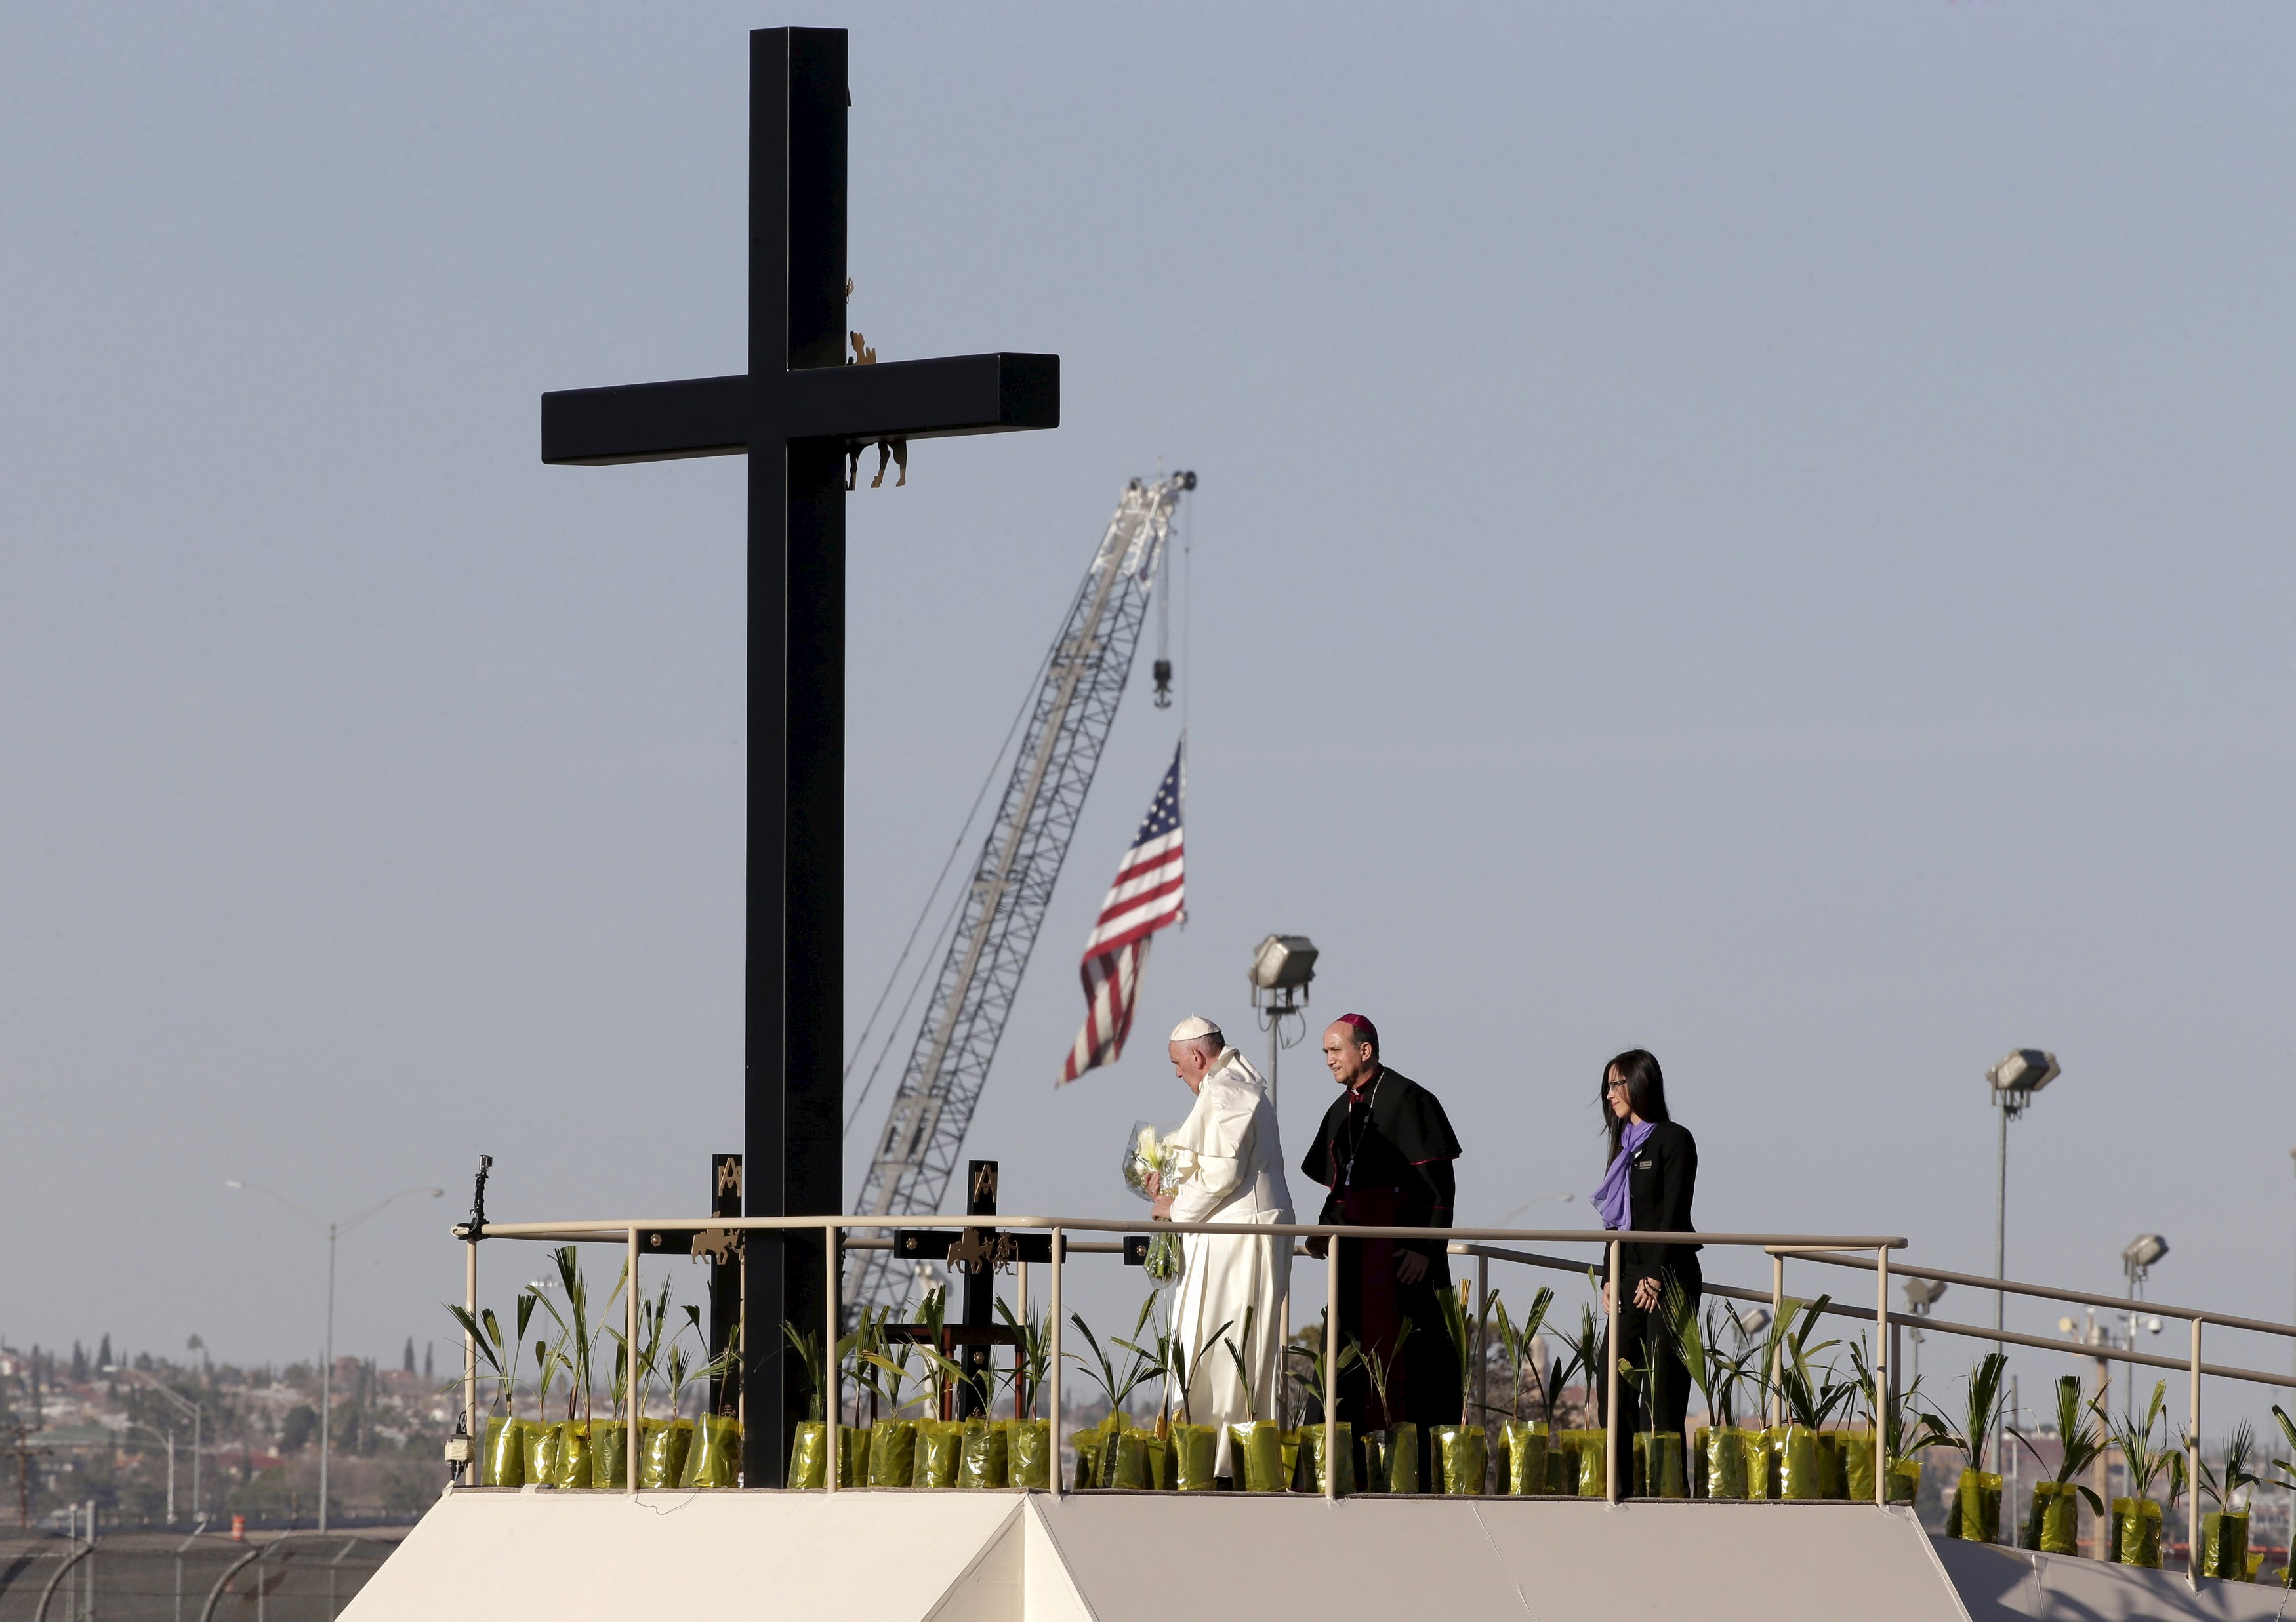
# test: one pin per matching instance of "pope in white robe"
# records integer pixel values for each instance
(1227, 1166)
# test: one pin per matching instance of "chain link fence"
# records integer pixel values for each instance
(172, 1577)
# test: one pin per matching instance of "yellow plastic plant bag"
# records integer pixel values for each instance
(666, 1443)
(1256, 1453)
(610, 1456)
(573, 1465)
(1028, 1455)
(1195, 1453)
(541, 1454)
(2136, 1532)
(940, 1450)
(1797, 1463)
(506, 1459)
(1319, 1457)
(1462, 1451)
(2224, 1544)
(1722, 1461)
(1525, 1472)
(986, 1449)
(808, 1461)
(892, 1453)
(1976, 1513)
(1667, 1480)
(714, 1458)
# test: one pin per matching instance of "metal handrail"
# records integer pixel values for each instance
(601, 1230)
(2077, 1298)
(1903, 1320)
(1839, 1250)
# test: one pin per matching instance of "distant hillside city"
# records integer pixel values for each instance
(93, 1424)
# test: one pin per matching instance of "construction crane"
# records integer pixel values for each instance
(1003, 905)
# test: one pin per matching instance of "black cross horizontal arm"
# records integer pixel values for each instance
(709, 416)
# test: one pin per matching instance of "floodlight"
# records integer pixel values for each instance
(2026, 1070)
(2066, 1326)
(1283, 962)
(1922, 1294)
(2144, 1250)
(1752, 1320)
(2152, 1326)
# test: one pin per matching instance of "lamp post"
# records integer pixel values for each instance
(182, 1405)
(167, 1437)
(1921, 1296)
(2013, 1082)
(327, 1368)
(1282, 965)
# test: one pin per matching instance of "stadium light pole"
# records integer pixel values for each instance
(1282, 965)
(327, 1368)
(2013, 1082)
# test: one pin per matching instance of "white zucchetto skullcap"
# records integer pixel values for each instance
(1194, 1026)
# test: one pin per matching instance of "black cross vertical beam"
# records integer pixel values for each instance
(797, 413)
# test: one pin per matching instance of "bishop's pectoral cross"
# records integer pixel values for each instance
(799, 414)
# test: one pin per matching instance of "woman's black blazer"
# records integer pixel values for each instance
(1659, 1188)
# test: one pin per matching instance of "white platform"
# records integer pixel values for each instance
(1014, 1557)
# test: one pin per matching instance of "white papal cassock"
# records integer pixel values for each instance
(1230, 1169)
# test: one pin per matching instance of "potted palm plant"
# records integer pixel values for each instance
(1028, 1455)
(1976, 1512)
(1720, 1467)
(1791, 1452)
(1194, 1448)
(541, 1437)
(1310, 1379)
(1112, 1454)
(2286, 1469)
(1522, 1454)
(2134, 1535)
(1390, 1454)
(1905, 1432)
(1586, 1448)
(2224, 1529)
(2052, 1522)
(1461, 1451)
(503, 1462)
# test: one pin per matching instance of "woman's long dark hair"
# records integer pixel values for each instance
(1646, 1093)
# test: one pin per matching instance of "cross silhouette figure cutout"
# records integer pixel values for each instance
(799, 414)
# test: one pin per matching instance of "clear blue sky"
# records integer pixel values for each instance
(1756, 531)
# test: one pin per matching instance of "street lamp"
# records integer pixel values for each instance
(327, 1368)
(183, 1406)
(1920, 1299)
(1282, 965)
(2013, 1082)
(168, 1437)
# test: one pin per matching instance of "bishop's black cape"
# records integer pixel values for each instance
(1384, 1151)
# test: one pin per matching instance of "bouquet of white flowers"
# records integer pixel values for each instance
(1145, 1153)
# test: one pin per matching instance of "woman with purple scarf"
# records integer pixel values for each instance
(1646, 1189)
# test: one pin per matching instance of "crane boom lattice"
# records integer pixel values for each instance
(1003, 905)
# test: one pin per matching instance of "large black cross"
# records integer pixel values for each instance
(798, 413)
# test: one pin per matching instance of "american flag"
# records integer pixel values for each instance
(1150, 892)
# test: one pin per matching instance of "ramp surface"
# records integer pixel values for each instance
(2001, 1585)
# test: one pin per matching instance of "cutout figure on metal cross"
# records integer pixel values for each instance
(796, 413)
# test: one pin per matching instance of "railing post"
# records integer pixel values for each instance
(1610, 1384)
(2192, 1472)
(1885, 1371)
(833, 1399)
(633, 1396)
(1330, 1370)
(1482, 1322)
(1060, 1251)
(1769, 1364)
(470, 1361)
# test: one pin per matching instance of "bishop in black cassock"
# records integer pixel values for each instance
(1384, 1151)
